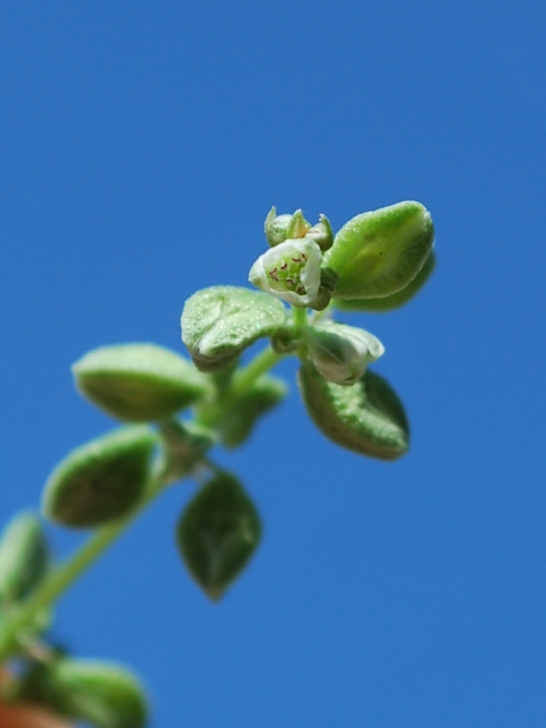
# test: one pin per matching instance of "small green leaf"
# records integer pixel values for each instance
(395, 300)
(99, 693)
(366, 417)
(218, 533)
(138, 382)
(185, 445)
(24, 557)
(218, 323)
(238, 422)
(101, 481)
(378, 253)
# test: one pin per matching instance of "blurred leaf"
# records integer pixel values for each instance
(366, 417)
(237, 423)
(24, 557)
(185, 445)
(102, 480)
(218, 533)
(218, 323)
(138, 382)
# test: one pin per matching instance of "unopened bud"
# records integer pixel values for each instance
(322, 233)
(279, 228)
(341, 353)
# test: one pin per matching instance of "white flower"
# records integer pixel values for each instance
(290, 270)
(341, 353)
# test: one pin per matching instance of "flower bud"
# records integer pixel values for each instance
(322, 233)
(341, 353)
(290, 271)
(279, 228)
(378, 253)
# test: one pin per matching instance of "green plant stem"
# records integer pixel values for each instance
(63, 576)
(299, 315)
(245, 378)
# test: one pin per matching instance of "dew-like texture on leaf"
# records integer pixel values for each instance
(218, 323)
(395, 300)
(101, 694)
(100, 481)
(366, 417)
(24, 557)
(138, 382)
(218, 533)
(378, 253)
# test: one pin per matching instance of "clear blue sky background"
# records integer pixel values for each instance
(141, 146)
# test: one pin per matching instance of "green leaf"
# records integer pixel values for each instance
(395, 300)
(238, 422)
(185, 445)
(24, 557)
(378, 253)
(218, 533)
(218, 323)
(99, 693)
(367, 417)
(138, 382)
(101, 481)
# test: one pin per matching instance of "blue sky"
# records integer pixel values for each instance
(142, 145)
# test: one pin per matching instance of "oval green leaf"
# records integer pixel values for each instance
(138, 382)
(218, 533)
(238, 422)
(395, 300)
(378, 253)
(24, 557)
(102, 694)
(218, 323)
(366, 417)
(101, 481)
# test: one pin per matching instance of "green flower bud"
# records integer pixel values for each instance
(138, 382)
(218, 533)
(279, 228)
(395, 300)
(101, 481)
(220, 322)
(322, 233)
(290, 271)
(367, 417)
(341, 353)
(24, 557)
(378, 253)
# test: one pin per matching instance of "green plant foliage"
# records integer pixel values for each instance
(24, 557)
(185, 444)
(99, 693)
(219, 323)
(138, 382)
(237, 423)
(378, 253)
(218, 533)
(102, 480)
(366, 417)
(395, 300)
